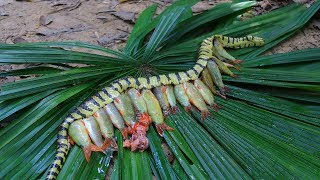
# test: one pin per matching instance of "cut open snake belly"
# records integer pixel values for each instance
(132, 104)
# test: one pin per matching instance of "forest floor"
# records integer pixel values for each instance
(104, 22)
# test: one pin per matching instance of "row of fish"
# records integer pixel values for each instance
(133, 112)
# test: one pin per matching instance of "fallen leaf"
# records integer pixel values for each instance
(111, 38)
(126, 16)
(13, 79)
(124, 29)
(62, 2)
(105, 11)
(67, 5)
(200, 7)
(114, 3)
(5, 67)
(4, 14)
(103, 18)
(161, 3)
(45, 20)
(167, 1)
(19, 40)
(45, 31)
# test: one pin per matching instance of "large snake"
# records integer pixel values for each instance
(109, 93)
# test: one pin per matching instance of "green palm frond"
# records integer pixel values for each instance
(269, 127)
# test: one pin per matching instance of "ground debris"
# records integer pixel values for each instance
(17, 40)
(265, 6)
(159, 2)
(45, 20)
(167, 1)
(103, 18)
(4, 13)
(124, 15)
(46, 31)
(125, 29)
(110, 38)
(66, 5)
(109, 6)
(200, 7)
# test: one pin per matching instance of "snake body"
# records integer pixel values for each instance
(107, 94)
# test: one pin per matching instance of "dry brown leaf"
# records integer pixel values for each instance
(66, 5)
(111, 38)
(45, 31)
(103, 18)
(19, 40)
(124, 15)
(45, 20)
(200, 7)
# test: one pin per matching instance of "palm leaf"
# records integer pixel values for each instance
(268, 127)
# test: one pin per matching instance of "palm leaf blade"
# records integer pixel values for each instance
(215, 161)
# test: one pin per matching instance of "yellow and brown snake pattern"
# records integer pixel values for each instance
(109, 93)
